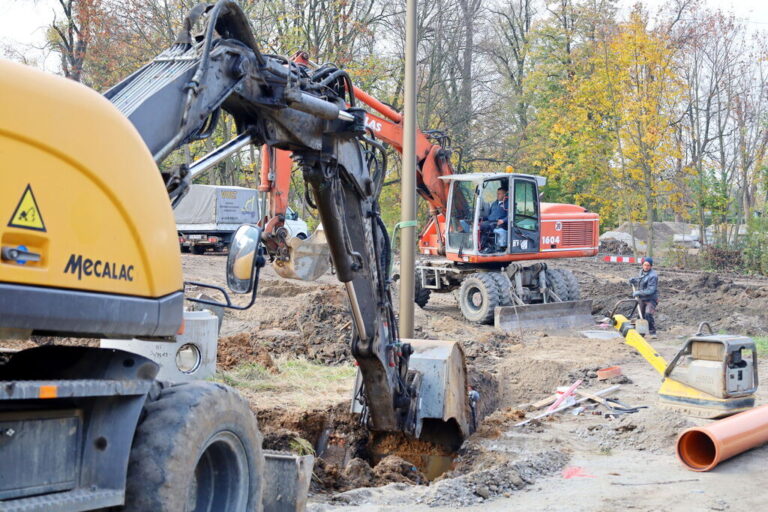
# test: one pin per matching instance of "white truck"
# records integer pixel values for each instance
(208, 216)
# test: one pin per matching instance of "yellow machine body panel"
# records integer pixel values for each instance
(80, 191)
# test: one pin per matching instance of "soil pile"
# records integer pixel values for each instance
(499, 421)
(499, 480)
(654, 430)
(391, 469)
(614, 247)
(686, 300)
(243, 348)
(315, 325)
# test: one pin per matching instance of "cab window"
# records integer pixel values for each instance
(526, 211)
(462, 216)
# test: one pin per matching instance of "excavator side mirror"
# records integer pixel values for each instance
(241, 262)
(245, 260)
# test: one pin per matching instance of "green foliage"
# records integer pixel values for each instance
(301, 446)
(295, 375)
(755, 254)
(761, 343)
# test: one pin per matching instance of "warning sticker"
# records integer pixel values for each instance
(27, 214)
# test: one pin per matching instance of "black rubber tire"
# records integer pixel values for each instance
(197, 448)
(421, 295)
(574, 290)
(505, 288)
(185, 248)
(301, 236)
(478, 297)
(198, 249)
(557, 282)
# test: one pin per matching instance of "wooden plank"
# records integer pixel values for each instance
(566, 406)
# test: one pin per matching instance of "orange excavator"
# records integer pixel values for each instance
(488, 262)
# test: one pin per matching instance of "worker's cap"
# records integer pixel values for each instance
(649, 260)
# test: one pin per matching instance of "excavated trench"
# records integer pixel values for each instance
(349, 456)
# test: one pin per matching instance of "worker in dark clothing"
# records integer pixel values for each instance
(647, 293)
(497, 218)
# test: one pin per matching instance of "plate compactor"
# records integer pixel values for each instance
(711, 376)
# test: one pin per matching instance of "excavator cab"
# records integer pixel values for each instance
(493, 215)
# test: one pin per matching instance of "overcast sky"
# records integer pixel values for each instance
(22, 22)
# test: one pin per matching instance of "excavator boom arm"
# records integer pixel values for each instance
(177, 98)
(432, 160)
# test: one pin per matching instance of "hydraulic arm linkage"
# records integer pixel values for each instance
(178, 97)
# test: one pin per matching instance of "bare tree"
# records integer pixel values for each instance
(71, 32)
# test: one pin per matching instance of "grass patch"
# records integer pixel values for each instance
(298, 380)
(761, 342)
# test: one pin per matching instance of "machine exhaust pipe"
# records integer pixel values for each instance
(703, 448)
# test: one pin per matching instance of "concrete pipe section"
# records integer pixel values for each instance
(703, 448)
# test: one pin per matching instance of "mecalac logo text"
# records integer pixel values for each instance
(82, 266)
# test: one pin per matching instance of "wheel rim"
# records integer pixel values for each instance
(221, 478)
(474, 298)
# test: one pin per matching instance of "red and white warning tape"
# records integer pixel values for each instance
(622, 259)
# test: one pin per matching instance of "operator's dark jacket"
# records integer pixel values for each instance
(647, 286)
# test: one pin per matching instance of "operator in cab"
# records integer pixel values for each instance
(497, 218)
(647, 293)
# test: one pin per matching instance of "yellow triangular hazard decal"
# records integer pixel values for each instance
(27, 213)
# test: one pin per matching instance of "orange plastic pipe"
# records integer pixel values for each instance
(703, 448)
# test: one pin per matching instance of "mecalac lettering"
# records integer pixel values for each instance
(79, 265)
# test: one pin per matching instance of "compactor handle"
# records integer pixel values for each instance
(700, 329)
(622, 301)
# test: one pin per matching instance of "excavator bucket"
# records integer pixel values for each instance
(553, 315)
(308, 259)
(443, 415)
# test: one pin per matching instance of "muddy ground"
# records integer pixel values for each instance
(564, 463)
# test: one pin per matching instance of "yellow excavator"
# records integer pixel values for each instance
(89, 249)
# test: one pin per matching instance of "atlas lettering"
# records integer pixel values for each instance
(372, 123)
(82, 266)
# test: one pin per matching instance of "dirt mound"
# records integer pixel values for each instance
(615, 247)
(654, 430)
(284, 440)
(282, 288)
(323, 323)
(358, 473)
(396, 469)
(498, 480)
(499, 422)
(521, 385)
(726, 305)
(688, 299)
(662, 231)
(243, 348)
(316, 325)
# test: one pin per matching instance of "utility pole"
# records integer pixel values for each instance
(408, 182)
